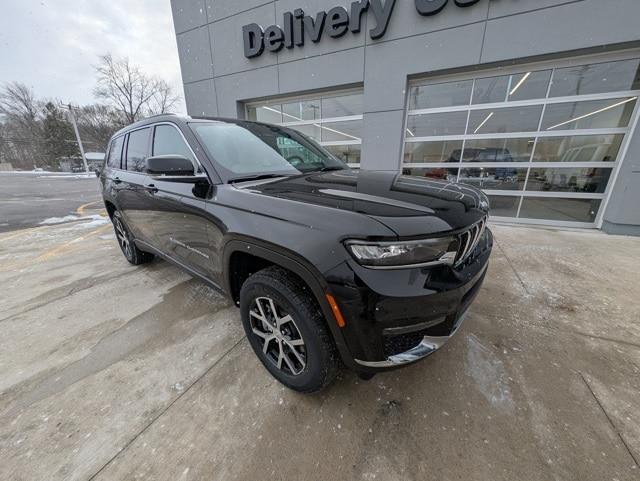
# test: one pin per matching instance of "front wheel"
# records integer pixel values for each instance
(287, 330)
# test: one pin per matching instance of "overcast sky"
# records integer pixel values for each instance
(52, 45)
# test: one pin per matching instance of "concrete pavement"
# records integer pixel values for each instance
(114, 372)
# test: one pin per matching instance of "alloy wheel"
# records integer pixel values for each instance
(123, 239)
(281, 340)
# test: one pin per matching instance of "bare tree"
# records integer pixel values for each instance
(23, 128)
(97, 123)
(19, 105)
(130, 91)
(165, 98)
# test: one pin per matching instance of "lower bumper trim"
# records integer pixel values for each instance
(427, 346)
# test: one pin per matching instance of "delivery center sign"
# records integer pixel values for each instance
(297, 27)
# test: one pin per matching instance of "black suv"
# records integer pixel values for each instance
(326, 263)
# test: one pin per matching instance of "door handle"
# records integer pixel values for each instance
(151, 188)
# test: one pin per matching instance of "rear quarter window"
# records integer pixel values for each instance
(115, 153)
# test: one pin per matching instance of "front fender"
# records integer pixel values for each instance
(295, 263)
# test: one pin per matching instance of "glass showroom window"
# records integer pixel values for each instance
(333, 120)
(542, 143)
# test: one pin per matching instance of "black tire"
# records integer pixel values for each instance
(128, 247)
(321, 362)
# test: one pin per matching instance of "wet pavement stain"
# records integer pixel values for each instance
(64, 291)
(160, 325)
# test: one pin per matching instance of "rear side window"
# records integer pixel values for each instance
(168, 141)
(137, 150)
(115, 154)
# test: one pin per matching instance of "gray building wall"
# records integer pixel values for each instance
(218, 79)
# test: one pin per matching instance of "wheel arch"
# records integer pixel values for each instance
(268, 255)
(111, 208)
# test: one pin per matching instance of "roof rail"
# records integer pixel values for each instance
(159, 115)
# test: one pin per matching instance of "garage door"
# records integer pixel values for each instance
(543, 143)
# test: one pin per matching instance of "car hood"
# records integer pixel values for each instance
(410, 206)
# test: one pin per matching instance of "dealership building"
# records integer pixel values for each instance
(533, 101)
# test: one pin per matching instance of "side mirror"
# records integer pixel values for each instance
(97, 172)
(169, 165)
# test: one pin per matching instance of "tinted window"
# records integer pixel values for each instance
(137, 150)
(168, 141)
(115, 154)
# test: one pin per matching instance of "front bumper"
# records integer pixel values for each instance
(394, 318)
(427, 346)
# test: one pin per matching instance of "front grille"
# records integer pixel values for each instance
(468, 240)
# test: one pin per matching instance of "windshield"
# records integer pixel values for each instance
(249, 149)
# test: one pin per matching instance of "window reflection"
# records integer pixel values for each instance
(450, 175)
(498, 150)
(310, 130)
(490, 90)
(296, 111)
(268, 113)
(555, 208)
(449, 123)
(447, 151)
(342, 106)
(440, 95)
(596, 78)
(578, 148)
(496, 178)
(595, 114)
(504, 205)
(510, 119)
(521, 86)
(342, 131)
(347, 153)
(569, 180)
(529, 85)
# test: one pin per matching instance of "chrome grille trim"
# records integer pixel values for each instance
(469, 239)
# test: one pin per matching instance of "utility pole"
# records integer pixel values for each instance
(75, 129)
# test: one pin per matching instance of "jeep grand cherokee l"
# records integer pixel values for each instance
(327, 264)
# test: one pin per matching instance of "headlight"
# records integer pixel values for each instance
(394, 255)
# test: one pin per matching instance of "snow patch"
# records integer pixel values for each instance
(59, 220)
(94, 220)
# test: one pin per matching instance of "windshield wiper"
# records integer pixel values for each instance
(255, 177)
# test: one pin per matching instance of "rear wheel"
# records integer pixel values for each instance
(287, 331)
(128, 247)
